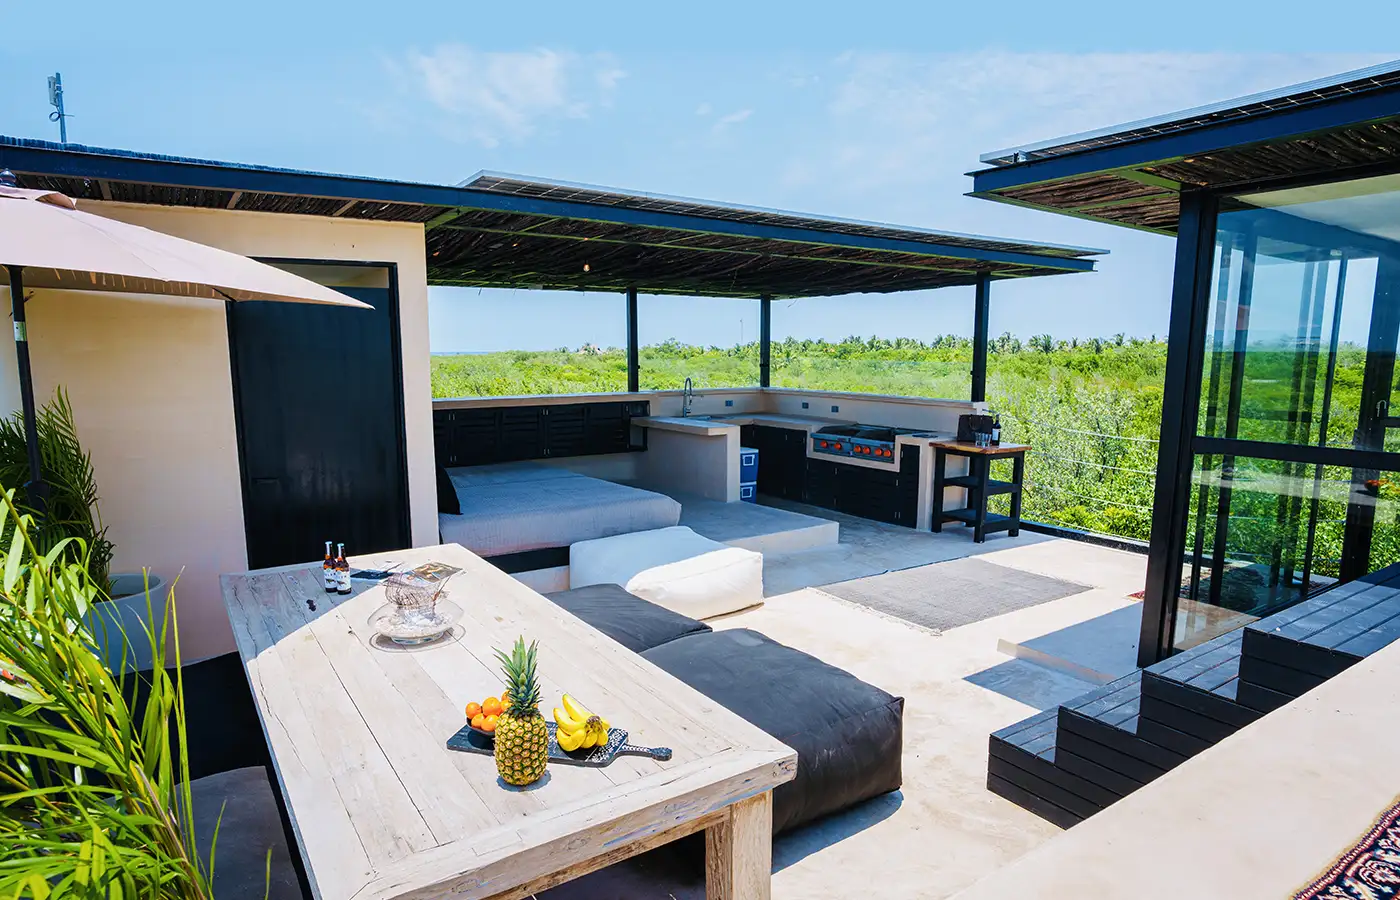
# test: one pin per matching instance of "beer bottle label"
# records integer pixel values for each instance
(330, 580)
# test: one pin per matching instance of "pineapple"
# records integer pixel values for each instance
(522, 741)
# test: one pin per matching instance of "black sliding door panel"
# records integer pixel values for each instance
(318, 400)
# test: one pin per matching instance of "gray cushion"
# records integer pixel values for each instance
(250, 826)
(634, 623)
(848, 735)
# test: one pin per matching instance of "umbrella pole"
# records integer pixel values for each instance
(36, 490)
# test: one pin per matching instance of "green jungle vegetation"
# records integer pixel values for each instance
(1091, 408)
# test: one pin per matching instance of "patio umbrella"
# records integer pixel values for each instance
(46, 242)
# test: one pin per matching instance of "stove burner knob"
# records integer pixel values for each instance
(838, 446)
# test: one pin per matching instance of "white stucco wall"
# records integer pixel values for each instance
(152, 395)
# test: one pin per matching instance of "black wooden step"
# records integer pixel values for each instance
(1114, 782)
(1031, 802)
(1017, 770)
(1077, 747)
(1030, 746)
(1294, 650)
(1194, 691)
(1109, 717)
(1260, 698)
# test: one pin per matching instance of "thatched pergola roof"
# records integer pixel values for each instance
(508, 231)
(1134, 174)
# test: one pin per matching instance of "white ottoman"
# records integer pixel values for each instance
(672, 567)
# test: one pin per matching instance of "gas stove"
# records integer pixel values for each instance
(857, 442)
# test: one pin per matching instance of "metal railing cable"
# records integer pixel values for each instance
(1116, 437)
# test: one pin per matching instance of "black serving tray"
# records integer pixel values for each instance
(469, 740)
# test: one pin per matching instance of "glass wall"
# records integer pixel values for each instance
(1299, 361)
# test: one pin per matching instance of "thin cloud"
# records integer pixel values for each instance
(491, 97)
(919, 119)
(725, 122)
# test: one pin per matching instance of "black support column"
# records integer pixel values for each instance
(1181, 400)
(981, 311)
(633, 365)
(765, 340)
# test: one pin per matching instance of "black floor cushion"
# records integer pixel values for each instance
(848, 735)
(634, 623)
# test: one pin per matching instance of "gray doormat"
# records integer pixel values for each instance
(957, 592)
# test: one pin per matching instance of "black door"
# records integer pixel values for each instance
(318, 398)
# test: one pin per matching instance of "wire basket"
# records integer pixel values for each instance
(413, 594)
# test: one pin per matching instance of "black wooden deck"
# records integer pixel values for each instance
(1065, 764)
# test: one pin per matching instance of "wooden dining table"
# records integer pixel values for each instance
(381, 808)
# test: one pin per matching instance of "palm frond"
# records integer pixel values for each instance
(92, 803)
(72, 510)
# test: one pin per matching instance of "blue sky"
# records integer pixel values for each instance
(873, 111)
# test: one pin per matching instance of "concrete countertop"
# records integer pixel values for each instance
(712, 425)
(686, 424)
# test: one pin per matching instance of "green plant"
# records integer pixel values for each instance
(93, 800)
(67, 469)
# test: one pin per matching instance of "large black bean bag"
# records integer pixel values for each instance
(634, 623)
(848, 734)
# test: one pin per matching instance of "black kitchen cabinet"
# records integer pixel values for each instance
(782, 459)
(879, 494)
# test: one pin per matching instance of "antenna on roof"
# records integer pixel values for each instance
(56, 101)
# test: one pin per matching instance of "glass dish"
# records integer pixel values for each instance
(415, 626)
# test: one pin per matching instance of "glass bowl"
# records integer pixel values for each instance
(410, 626)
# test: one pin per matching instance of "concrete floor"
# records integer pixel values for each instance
(944, 830)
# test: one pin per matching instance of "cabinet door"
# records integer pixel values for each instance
(794, 455)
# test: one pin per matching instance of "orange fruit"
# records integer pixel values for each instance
(478, 718)
(488, 723)
(473, 710)
(505, 698)
(492, 706)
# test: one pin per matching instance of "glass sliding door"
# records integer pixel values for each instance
(1293, 485)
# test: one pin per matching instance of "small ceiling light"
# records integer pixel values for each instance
(585, 267)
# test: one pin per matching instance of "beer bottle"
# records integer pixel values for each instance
(342, 571)
(329, 580)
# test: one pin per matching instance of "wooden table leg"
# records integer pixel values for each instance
(739, 852)
(940, 460)
(979, 528)
(1018, 475)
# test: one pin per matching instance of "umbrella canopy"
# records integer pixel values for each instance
(46, 242)
(61, 247)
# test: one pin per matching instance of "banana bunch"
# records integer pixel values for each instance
(579, 729)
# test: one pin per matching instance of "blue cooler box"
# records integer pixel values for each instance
(748, 474)
(748, 465)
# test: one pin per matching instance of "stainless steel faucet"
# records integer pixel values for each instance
(687, 396)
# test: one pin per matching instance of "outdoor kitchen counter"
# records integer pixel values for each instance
(715, 425)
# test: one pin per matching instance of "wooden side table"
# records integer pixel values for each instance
(980, 485)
